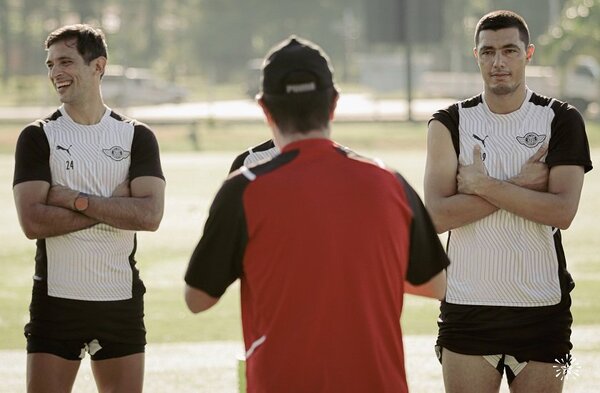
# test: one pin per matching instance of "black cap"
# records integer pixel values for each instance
(295, 66)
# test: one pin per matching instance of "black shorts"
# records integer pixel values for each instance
(64, 327)
(541, 334)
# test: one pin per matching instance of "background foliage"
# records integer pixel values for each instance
(214, 40)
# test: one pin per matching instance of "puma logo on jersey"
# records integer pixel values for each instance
(531, 139)
(67, 149)
(117, 153)
(481, 140)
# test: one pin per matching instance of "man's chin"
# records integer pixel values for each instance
(63, 99)
(503, 90)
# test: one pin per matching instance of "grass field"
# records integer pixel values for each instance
(193, 178)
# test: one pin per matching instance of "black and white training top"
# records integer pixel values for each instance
(504, 259)
(96, 263)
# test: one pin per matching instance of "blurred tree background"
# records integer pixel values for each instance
(576, 31)
(212, 42)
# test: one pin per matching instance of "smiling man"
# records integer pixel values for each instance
(85, 180)
(504, 175)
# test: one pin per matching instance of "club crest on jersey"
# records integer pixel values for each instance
(531, 139)
(116, 153)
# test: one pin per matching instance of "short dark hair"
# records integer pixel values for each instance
(503, 19)
(301, 113)
(91, 42)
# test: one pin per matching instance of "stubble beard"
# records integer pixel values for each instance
(502, 90)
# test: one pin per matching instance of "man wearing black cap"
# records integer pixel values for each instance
(324, 242)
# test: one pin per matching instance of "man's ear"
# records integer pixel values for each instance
(529, 52)
(333, 106)
(265, 110)
(99, 64)
(277, 136)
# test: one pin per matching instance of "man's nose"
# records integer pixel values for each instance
(498, 59)
(54, 72)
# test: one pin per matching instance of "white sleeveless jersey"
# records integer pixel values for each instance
(94, 263)
(504, 259)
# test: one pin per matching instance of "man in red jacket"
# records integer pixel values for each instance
(325, 243)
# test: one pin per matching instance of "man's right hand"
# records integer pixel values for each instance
(61, 196)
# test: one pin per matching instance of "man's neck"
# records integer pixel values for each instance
(86, 114)
(284, 139)
(505, 103)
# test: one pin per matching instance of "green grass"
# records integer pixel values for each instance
(27, 90)
(224, 136)
(192, 180)
(227, 136)
(15, 292)
(586, 310)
